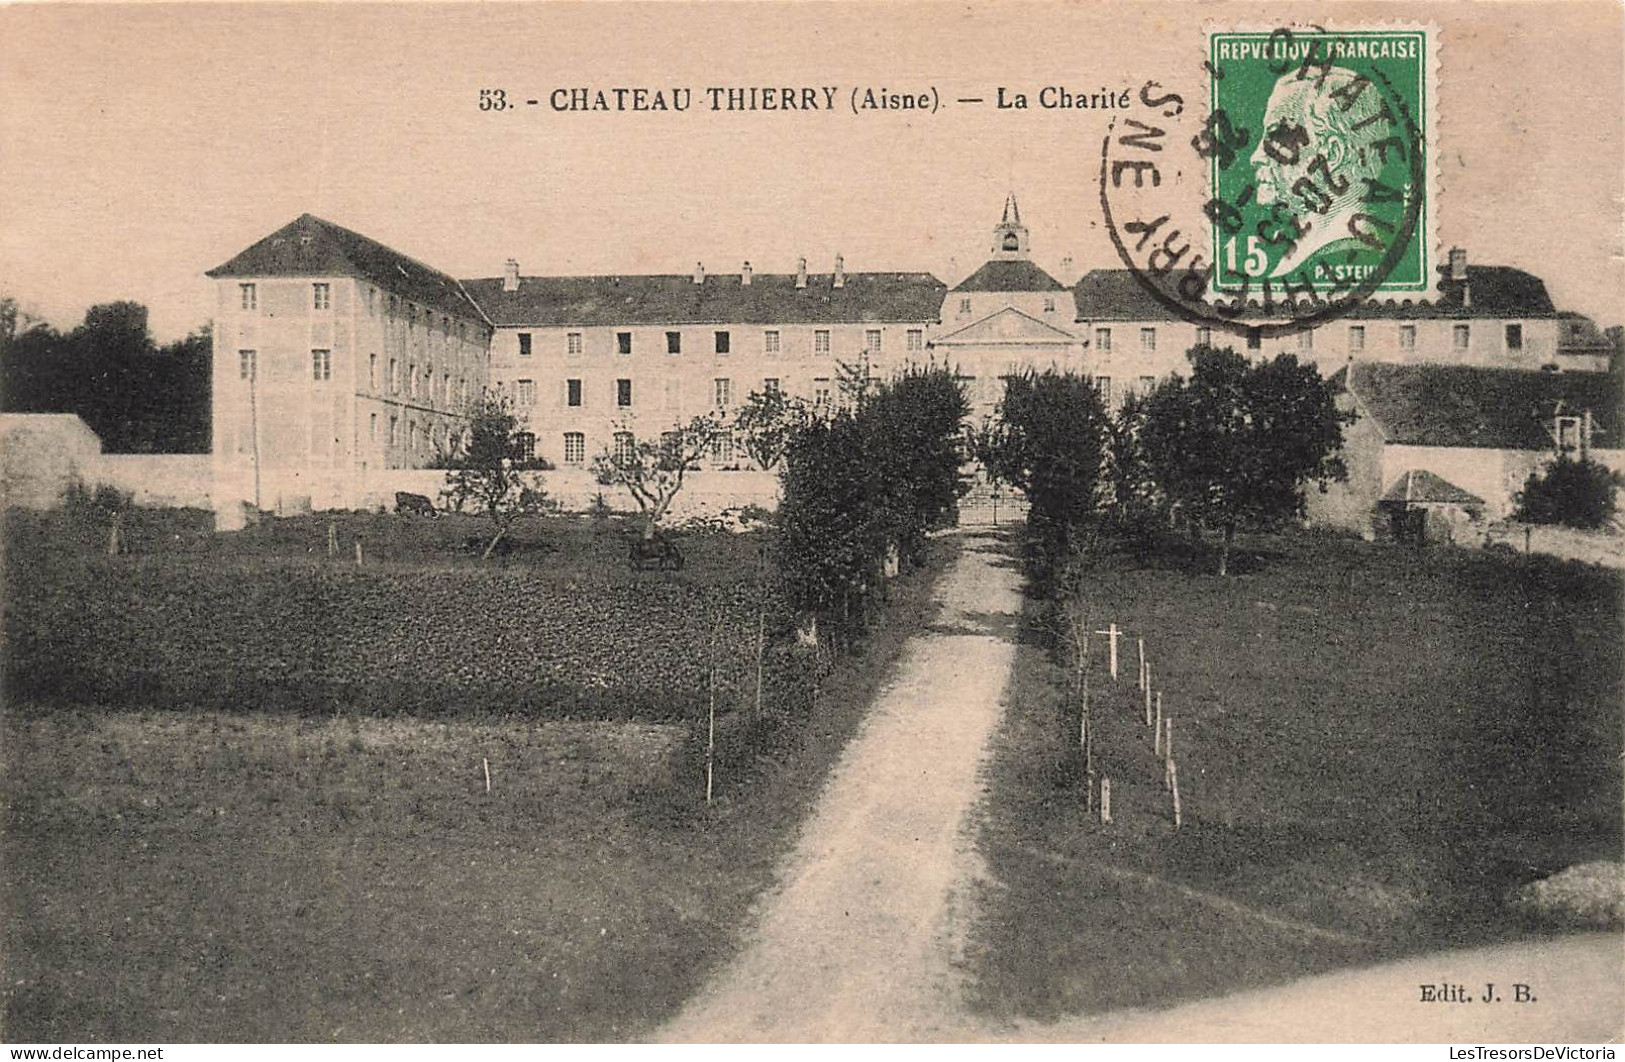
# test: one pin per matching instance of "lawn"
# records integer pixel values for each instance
(1376, 748)
(261, 871)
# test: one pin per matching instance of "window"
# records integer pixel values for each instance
(1459, 336)
(394, 376)
(524, 445)
(674, 342)
(724, 342)
(412, 379)
(871, 340)
(572, 344)
(821, 391)
(372, 372)
(1147, 384)
(722, 447)
(770, 385)
(1356, 337)
(623, 342)
(1103, 384)
(770, 342)
(524, 344)
(1148, 340)
(623, 392)
(575, 448)
(321, 365)
(1568, 433)
(1306, 339)
(462, 389)
(321, 296)
(821, 341)
(394, 431)
(1204, 336)
(247, 364)
(1407, 337)
(1254, 340)
(572, 392)
(1103, 340)
(625, 448)
(916, 340)
(249, 295)
(1514, 337)
(372, 426)
(445, 388)
(723, 391)
(526, 393)
(964, 307)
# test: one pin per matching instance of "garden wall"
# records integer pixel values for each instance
(575, 490)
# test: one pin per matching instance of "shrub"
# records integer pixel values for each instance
(1578, 492)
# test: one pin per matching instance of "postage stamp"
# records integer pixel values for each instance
(1317, 193)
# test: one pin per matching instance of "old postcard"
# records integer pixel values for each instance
(790, 522)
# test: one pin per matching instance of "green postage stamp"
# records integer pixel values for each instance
(1324, 188)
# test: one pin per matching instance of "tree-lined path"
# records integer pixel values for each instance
(859, 940)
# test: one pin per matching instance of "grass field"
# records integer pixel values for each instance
(265, 620)
(242, 875)
(1376, 747)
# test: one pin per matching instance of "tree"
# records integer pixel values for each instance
(1576, 491)
(652, 471)
(914, 427)
(139, 398)
(1049, 442)
(768, 421)
(831, 536)
(485, 471)
(1234, 445)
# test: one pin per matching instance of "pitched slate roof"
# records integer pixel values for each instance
(1421, 486)
(1462, 405)
(1015, 274)
(770, 298)
(309, 246)
(1492, 292)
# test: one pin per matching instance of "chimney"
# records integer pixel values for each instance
(801, 272)
(1066, 271)
(840, 272)
(1458, 263)
(699, 272)
(744, 276)
(510, 275)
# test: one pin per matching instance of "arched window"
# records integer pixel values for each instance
(1012, 242)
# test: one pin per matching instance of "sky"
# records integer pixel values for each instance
(143, 144)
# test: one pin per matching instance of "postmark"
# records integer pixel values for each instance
(1297, 188)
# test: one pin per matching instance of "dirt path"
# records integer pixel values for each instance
(859, 941)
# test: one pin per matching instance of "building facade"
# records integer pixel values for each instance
(339, 362)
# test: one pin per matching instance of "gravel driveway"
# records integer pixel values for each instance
(858, 942)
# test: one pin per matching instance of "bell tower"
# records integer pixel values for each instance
(1010, 235)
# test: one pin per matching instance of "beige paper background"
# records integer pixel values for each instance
(140, 145)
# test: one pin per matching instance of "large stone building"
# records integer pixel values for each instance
(339, 363)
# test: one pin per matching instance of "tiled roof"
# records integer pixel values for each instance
(1492, 292)
(1461, 405)
(1420, 485)
(1014, 274)
(309, 246)
(770, 298)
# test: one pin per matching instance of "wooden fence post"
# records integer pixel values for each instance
(1173, 779)
(1144, 678)
(332, 539)
(1105, 801)
(115, 534)
(1147, 674)
(1156, 730)
(710, 713)
(358, 553)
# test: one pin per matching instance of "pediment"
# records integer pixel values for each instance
(1008, 325)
